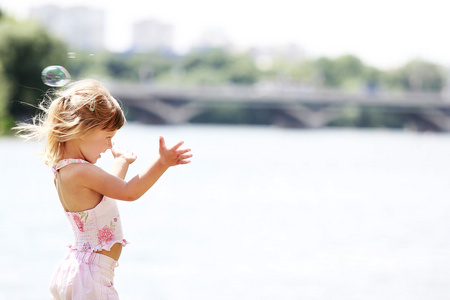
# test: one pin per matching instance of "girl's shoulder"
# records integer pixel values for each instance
(81, 174)
(65, 162)
(75, 165)
(68, 161)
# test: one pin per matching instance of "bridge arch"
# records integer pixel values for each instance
(295, 107)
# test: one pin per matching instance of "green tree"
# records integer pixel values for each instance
(373, 78)
(215, 58)
(205, 67)
(417, 76)
(328, 72)
(217, 66)
(6, 121)
(242, 70)
(25, 50)
(304, 71)
(154, 65)
(343, 71)
(349, 66)
(82, 64)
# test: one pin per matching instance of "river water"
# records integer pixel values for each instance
(260, 213)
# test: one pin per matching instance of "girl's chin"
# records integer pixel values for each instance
(94, 160)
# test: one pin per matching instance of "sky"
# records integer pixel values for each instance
(382, 33)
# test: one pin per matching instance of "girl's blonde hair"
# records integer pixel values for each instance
(76, 110)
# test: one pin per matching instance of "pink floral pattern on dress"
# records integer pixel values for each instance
(79, 223)
(78, 218)
(105, 235)
(87, 246)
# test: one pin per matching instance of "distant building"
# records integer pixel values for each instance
(150, 35)
(213, 37)
(80, 27)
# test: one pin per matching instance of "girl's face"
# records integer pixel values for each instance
(95, 143)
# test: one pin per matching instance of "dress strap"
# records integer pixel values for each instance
(68, 161)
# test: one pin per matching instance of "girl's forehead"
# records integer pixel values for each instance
(109, 132)
(104, 132)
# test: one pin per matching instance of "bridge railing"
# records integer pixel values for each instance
(309, 107)
(275, 94)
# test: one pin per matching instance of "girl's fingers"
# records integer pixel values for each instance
(185, 156)
(183, 159)
(183, 162)
(179, 156)
(183, 151)
(162, 143)
(177, 145)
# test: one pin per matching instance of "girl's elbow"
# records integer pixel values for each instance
(130, 193)
(132, 197)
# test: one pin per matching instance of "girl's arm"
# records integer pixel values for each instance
(111, 186)
(122, 159)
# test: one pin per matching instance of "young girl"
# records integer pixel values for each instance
(78, 126)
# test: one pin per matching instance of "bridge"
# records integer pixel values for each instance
(291, 106)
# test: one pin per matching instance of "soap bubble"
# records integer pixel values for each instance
(55, 76)
(71, 54)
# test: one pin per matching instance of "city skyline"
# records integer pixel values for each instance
(385, 35)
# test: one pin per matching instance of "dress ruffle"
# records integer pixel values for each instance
(89, 248)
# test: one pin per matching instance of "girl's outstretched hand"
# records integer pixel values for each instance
(173, 156)
(128, 156)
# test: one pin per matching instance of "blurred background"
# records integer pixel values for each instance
(319, 130)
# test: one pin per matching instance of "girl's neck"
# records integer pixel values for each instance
(71, 149)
